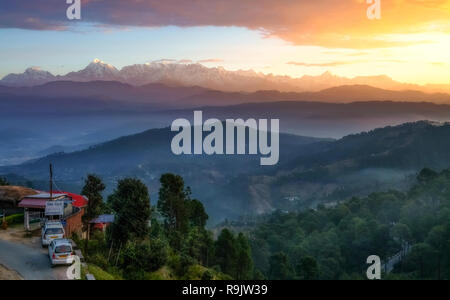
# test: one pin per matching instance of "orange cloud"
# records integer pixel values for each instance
(327, 23)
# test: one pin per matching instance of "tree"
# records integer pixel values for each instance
(436, 238)
(226, 252)
(426, 175)
(199, 245)
(131, 204)
(144, 256)
(280, 268)
(307, 268)
(197, 213)
(3, 181)
(172, 203)
(401, 232)
(419, 260)
(93, 188)
(244, 268)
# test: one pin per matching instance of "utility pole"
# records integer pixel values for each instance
(51, 186)
(51, 182)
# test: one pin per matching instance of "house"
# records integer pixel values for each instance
(73, 208)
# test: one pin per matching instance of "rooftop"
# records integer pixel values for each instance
(13, 194)
(54, 196)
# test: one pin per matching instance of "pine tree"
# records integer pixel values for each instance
(131, 204)
(92, 189)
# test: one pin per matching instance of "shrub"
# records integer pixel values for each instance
(147, 256)
(13, 219)
(100, 274)
(207, 275)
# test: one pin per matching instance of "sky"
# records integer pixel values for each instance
(410, 43)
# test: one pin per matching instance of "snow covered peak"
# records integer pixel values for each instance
(97, 64)
(34, 70)
(188, 73)
(31, 77)
(96, 70)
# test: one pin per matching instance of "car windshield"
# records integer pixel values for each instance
(54, 231)
(63, 249)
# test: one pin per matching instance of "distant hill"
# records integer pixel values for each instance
(322, 119)
(112, 96)
(69, 114)
(148, 155)
(354, 165)
(340, 94)
(310, 171)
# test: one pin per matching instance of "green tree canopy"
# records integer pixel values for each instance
(226, 252)
(3, 181)
(131, 205)
(244, 268)
(197, 213)
(172, 203)
(280, 268)
(93, 188)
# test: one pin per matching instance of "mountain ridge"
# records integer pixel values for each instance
(310, 171)
(215, 78)
(196, 96)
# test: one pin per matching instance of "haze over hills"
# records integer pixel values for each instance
(310, 171)
(68, 115)
(76, 96)
(356, 165)
(181, 74)
(147, 156)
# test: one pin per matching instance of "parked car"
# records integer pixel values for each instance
(52, 230)
(60, 252)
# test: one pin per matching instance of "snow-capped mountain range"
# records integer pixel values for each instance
(216, 78)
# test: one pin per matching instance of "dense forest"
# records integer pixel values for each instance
(165, 241)
(335, 242)
(170, 239)
(322, 243)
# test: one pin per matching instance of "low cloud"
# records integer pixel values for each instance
(342, 63)
(211, 60)
(185, 61)
(327, 64)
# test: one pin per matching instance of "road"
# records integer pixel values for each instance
(31, 262)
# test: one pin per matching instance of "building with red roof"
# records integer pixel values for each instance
(74, 209)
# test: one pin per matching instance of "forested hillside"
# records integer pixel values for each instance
(334, 243)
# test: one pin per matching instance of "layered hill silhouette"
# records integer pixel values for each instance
(310, 171)
(355, 165)
(115, 96)
(69, 115)
(147, 156)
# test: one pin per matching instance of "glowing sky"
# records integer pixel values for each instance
(411, 42)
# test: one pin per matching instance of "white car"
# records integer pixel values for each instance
(60, 252)
(51, 231)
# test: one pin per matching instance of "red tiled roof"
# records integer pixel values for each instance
(79, 201)
(32, 203)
